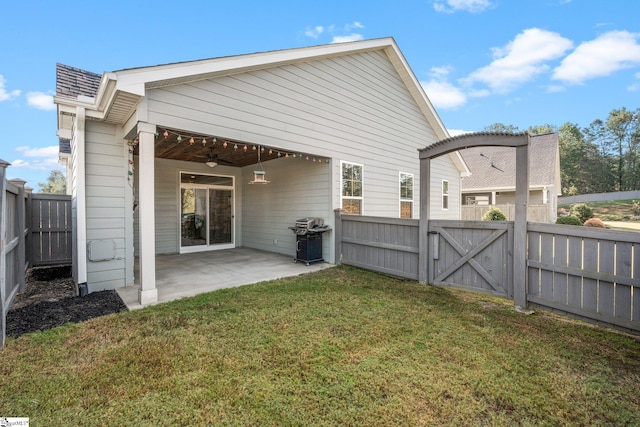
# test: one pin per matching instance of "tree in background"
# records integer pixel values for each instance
(501, 128)
(603, 157)
(56, 183)
(623, 139)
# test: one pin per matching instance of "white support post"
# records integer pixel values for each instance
(146, 136)
(520, 228)
(81, 198)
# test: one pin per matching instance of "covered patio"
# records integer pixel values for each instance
(185, 275)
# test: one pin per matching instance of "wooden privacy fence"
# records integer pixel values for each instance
(35, 229)
(386, 245)
(588, 273)
(50, 229)
(535, 213)
(13, 203)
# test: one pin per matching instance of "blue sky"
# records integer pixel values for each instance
(519, 62)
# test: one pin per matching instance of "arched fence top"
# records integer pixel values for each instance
(476, 139)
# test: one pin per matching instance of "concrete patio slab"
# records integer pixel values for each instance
(185, 275)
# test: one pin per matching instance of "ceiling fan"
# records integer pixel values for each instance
(213, 160)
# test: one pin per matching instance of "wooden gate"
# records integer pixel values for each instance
(474, 255)
(50, 229)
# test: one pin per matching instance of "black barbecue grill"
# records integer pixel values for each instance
(308, 233)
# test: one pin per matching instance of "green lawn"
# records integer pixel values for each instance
(338, 347)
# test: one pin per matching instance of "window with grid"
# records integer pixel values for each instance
(445, 194)
(406, 195)
(352, 188)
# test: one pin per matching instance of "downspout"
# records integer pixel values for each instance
(81, 202)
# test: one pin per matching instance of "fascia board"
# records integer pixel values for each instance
(416, 90)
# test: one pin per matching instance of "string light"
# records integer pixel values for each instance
(225, 144)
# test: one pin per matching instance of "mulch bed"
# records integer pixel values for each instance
(49, 301)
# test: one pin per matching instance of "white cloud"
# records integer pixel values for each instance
(521, 59)
(355, 24)
(41, 101)
(50, 151)
(314, 32)
(603, 56)
(350, 38)
(4, 95)
(452, 6)
(443, 94)
(555, 89)
(39, 158)
(339, 34)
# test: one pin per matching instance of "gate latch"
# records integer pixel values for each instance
(433, 232)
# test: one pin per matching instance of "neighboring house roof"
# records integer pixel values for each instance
(71, 82)
(495, 167)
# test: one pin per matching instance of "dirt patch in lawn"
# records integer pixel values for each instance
(50, 300)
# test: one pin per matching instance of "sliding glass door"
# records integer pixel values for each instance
(206, 212)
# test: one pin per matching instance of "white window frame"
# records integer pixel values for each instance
(343, 197)
(445, 196)
(401, 199)
(232, 187)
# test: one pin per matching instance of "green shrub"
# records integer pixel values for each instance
(594, 222)
(635, 208)
(494, 214)
(568, 220)
(582, 211)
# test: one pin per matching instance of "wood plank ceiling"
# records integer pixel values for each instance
(188, 146)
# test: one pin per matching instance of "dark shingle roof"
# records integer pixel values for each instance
(71, 82)
(543, 150)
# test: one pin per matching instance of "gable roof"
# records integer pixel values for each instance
(495, 167)
(117, 93)
(71, 82)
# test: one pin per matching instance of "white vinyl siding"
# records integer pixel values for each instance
(105, 183)
(167, 195)
(442, 168)
(406, 195)
(327, 107)
(299, 188)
